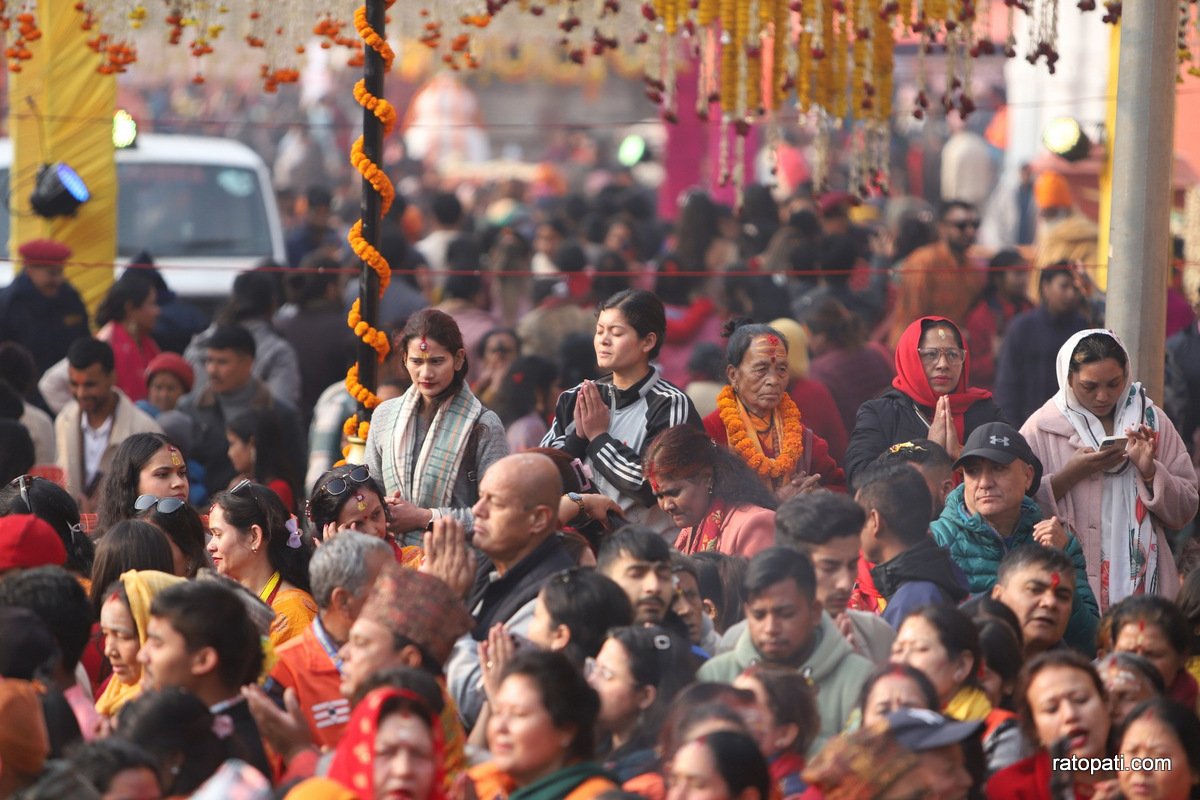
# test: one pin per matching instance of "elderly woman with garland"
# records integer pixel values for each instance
(759, 421)
(715, 499)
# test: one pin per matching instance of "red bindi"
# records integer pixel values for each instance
(1055, 580)
(424, 345)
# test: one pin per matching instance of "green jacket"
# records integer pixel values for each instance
(837, 674)
(978, 550)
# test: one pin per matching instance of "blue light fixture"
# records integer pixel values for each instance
(58, 191)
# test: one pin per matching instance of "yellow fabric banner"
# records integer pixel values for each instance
(61, 109)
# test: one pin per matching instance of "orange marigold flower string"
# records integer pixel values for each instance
(791, 440)
(374, 175)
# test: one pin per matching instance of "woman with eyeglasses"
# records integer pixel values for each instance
(637, 674)
(145, 463)
(257, 542)
(930, 397)
(347, 498)
(1115, 469)
(184, 530)
(430, 446)
(123, 618)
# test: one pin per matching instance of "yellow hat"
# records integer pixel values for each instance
(797, 340)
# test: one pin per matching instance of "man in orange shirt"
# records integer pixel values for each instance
(939, 279)
(342, 572)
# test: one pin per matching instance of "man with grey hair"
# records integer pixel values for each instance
(341, 574)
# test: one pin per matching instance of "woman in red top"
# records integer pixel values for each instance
(759, 421)
(257, 452)
(1062, 706)
(126, 316)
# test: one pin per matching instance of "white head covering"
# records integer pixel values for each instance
(1128, 546)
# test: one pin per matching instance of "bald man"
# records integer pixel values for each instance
(516, 522)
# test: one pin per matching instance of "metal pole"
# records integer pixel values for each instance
(368, 281)
(1143, 154)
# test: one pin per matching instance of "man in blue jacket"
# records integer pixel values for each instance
(992, 513)
(911, 570)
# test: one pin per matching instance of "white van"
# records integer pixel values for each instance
(202, 206)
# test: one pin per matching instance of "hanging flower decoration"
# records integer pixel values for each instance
(382, 185)
(19, 24)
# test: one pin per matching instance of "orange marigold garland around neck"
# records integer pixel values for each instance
(785, 421)
(373, 174)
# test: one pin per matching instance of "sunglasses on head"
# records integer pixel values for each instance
(359, 475)
(23, 482)
(165, 505)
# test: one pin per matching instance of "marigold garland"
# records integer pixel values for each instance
(791, 446)
(373, 174)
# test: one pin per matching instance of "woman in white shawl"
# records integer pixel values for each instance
(1116, 470)
(429, 446)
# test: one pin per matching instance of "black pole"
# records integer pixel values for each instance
(368, 281)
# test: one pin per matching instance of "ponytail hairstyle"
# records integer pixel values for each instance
(249, 504)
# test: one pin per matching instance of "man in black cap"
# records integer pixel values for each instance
(40, 309)
(993, 512)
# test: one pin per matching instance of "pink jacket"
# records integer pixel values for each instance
(1172, 505)
(747, 530)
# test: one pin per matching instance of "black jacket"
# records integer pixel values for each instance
(892, 418)
(1182, 397)
(926, 563)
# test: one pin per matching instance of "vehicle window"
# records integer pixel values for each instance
(182, 210)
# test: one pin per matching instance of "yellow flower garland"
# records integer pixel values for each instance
(791, 447)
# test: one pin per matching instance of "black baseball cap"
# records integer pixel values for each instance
(1003, 444)
(919, 729)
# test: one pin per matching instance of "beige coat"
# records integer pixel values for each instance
(128, 420)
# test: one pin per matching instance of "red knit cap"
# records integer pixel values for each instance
(27, 541)
(174, 364)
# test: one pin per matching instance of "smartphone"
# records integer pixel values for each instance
(1113, 441)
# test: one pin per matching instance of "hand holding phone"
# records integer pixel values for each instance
(1109, 442)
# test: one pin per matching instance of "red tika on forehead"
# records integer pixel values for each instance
(424, 345)
(1055, 580)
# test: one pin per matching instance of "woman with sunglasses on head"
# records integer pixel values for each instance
(46, 500)
(258, 544)
(930, 397)
(145, 463)
(347, 498)
(184, 530)
(430, 446)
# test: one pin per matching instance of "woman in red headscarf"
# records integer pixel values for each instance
(392, 747)
(929, 399)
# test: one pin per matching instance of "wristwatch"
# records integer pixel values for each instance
(577, 499)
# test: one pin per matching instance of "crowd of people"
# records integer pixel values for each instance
(720, 511)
